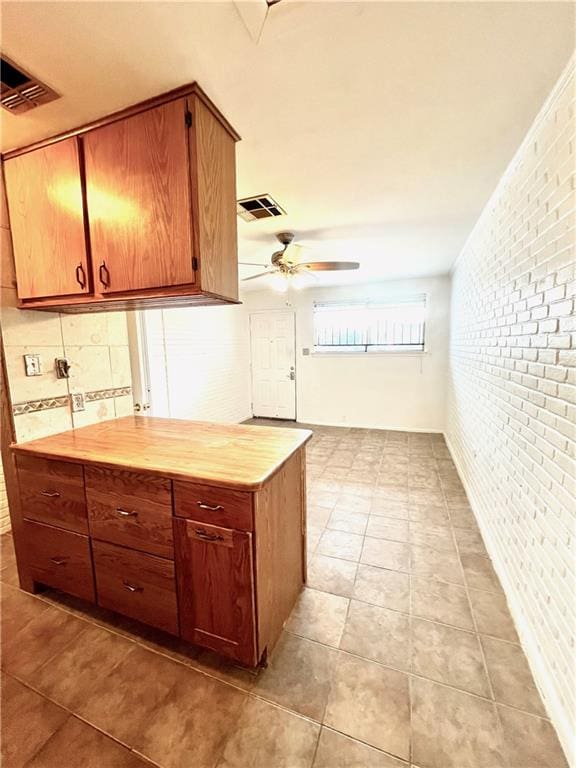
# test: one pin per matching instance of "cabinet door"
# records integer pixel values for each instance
(215, 588)
(138, 194)
(44, 192)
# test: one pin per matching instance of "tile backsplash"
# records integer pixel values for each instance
(96, 346)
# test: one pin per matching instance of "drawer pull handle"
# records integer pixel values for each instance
(59, 560)
(50, 494)
(131, 587)
(126, 513)
(81, 276)
(208, 536)
(104, 274)
(207, 506)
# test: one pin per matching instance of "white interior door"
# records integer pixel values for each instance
(273, 350)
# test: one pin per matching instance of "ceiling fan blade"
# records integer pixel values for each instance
(326, 266)
(254, 264)
(253, 277)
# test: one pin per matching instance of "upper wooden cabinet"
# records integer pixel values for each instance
(47, 221)
(139, 201)
(136, 210)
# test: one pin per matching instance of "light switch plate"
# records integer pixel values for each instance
(77, 402)
(32, 365)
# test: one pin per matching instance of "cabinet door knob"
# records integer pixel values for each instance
(127, 513)
(81, 276)
(104, 273)
(50, 494)
(59, 560)
(131, 587)
(208, 507)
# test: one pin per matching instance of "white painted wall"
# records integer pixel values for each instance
(511, 417)
(200, 363)
(386, 391)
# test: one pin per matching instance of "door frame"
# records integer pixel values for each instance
(139, 362)
(269, 312)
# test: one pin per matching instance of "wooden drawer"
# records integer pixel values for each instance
(215, 506)
(137, 585)
(52, 492)
(59, 559)
(131, 510)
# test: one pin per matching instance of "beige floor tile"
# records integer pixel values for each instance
(530, 742)
(331, 574)
(268, 737)
(340, 544)
(121, 702)
(388, 508)
(492, 615)
(435, 537)
(192, 723)
(319, 616)
(429, 514)
(420, 497)
(78, 745)
(370, 703)
(387, 528)
(69, 677)
(452, 729)
(383, 553)
(470, 542)
(377, 633)
(449, 656)
(338, 751)
(317, 516)
(298, 676)
(393, 493)
(42, 638)
(353, 503)
(323, 498)
(439, 601)
(347, 520)
(389, 589)
(511, 677)
(433, 563)
(462, 517)
(28, 720)
(479, 573)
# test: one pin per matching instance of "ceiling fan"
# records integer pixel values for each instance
(287, 267)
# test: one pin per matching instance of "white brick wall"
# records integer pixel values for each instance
(511, 417)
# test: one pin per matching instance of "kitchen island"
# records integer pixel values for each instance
(195, 528)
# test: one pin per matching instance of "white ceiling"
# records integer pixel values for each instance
(381, 127)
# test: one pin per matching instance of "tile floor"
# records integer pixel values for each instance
(400, 653)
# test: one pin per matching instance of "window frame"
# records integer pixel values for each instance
(381, 302)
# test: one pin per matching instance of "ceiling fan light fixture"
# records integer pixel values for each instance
(279, 282)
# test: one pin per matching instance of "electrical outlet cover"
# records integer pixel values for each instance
(32, 365)
(77, 399)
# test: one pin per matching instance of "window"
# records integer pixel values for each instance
(397, 325)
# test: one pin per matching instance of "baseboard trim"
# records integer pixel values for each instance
(558, 717)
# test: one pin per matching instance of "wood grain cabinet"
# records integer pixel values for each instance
(44, 190)
(187, 546)
(135, 210)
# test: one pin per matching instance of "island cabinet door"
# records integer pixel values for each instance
(216, 589)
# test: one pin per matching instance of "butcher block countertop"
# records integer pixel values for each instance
(236, 456)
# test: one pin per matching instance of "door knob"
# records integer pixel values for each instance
(291, 375)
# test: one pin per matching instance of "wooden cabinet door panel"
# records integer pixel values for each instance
(215, 588)
(138, 196)
(44, 192)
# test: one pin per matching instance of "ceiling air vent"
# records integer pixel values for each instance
(20, 91)
(261, 207)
